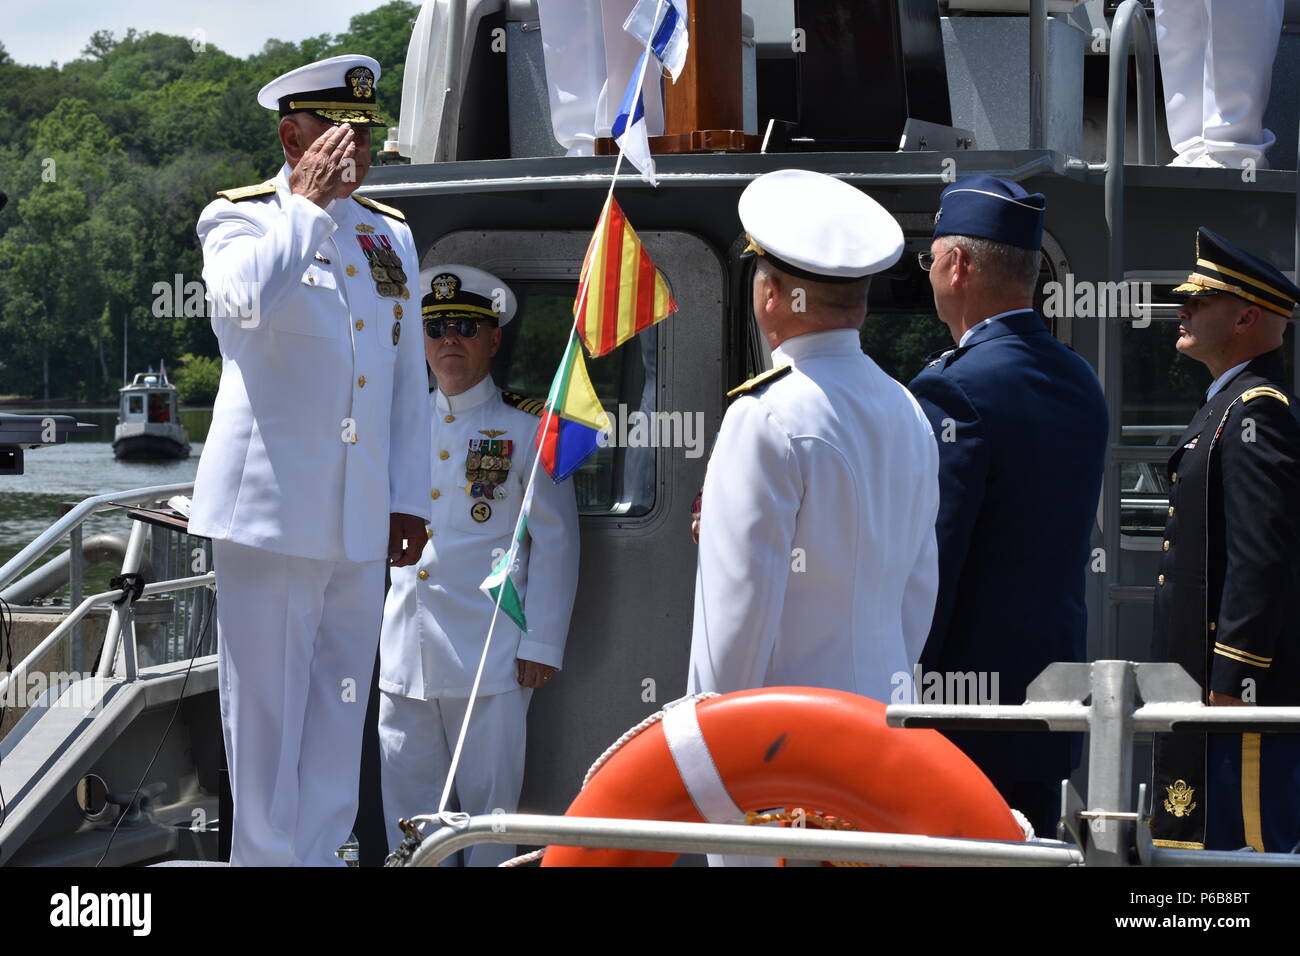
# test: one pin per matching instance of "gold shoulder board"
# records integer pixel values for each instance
(380, 207)
(758, 381)
(240, 193)
(533, 406)
(1264, 390)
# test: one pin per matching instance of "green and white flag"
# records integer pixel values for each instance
(498, 585)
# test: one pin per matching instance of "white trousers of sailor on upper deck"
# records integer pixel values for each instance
(1216, 60)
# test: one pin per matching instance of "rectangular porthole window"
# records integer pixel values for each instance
(616, 480)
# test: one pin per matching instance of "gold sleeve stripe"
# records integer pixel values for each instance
(1178, 845)
(1240, 660)
(1238, 650)
(1250, 815)
(1262, 391)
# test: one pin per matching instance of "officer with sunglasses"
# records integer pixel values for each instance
(436, 619)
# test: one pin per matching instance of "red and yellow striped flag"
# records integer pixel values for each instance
(625, 292)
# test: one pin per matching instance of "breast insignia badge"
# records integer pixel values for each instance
(481, 511)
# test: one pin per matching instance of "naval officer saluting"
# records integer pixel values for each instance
(1228, 592)
(436, 619)
(817, 560)
(313, 470)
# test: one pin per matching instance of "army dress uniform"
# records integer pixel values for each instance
(319, 432)
(436, 618)
(1227, 601)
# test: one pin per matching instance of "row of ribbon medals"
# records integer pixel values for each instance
(386, 270)
(486, 467)
(385, 266)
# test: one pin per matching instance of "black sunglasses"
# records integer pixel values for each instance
(465, 328)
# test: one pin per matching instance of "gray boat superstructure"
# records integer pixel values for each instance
(529, 218)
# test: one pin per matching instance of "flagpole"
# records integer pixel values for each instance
(578, 307)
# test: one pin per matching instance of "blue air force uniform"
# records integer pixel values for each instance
(1020, 421)
(1228, 592)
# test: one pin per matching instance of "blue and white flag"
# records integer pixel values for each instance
(661, 24)
(629, 127)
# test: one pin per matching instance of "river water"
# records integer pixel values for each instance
(84, 467)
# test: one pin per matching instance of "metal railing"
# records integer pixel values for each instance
(121, 620)
(1110, 701)
(1130, 28)
(668, 836)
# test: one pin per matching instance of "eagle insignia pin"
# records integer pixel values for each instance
(445, 285)
(1179, 802)
(362, 81)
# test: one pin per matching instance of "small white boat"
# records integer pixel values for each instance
(148, 422)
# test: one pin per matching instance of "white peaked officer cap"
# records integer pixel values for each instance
(817, 227)
(341, 89)
(453, 291)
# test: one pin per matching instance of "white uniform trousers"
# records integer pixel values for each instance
(297, 640)
(416, 741)
(1216, 60)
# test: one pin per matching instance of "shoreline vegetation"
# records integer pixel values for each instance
(108, 160)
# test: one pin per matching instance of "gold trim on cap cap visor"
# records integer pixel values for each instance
(1196, 282)
(453, 309)
(355, 115)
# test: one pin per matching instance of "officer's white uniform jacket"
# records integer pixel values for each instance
(435, 617)
(321, 423)
(817, 564)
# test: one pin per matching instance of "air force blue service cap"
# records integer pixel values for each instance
(339, 90)
(463, 292)
(817, 227)
(986, 207)
(1224, 267)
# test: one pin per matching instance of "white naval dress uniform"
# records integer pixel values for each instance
(817, 562)
(1216, 61)
(436, 620)
(319, 431)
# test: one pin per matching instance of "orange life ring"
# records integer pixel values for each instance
(823, 750)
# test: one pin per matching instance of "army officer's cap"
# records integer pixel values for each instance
(463, 292)
(986, 207)
(339, 90)
(817, 227)
(1224, 267)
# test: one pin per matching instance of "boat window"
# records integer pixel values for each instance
(902, 329)
(135, 405)
(617, 479)
(159, 408)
